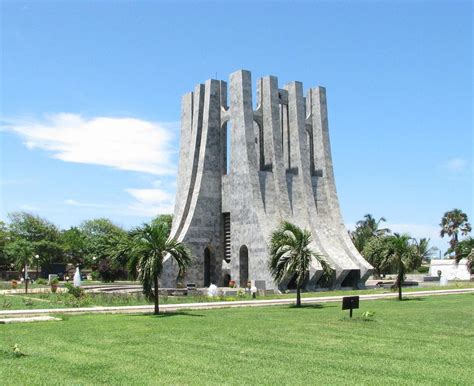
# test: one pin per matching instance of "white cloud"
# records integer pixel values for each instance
(457, 165)
(72, 202)
(151, 202)
(122, 143)
(145, 203)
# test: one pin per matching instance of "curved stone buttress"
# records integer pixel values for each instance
(280, 168)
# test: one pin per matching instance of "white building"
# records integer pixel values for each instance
(450, 269)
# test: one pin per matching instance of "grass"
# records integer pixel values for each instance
(427, 341)
(64, 300)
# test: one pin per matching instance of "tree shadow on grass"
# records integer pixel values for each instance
(413, 299)
(166, 314)
(308, 306)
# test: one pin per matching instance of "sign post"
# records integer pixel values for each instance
(349, 303)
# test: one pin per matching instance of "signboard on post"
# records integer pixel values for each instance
(350, 303)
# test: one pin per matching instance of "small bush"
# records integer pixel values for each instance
(423, 269)
(77, 292)
(41, 281)
(16, 351)
(241, 293)
(368, 315)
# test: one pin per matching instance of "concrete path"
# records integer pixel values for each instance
(29, 319)
(210, 305)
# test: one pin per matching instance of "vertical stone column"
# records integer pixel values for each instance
(190, 171)
(273, 140)
(182, 183)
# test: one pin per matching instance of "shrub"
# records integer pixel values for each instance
(16, 350)
(368, 315)
(423, 269)
(77, 292)
(41, 281)
(241, 293)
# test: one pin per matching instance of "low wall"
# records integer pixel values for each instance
(450, 269)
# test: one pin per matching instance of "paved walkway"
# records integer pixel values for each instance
(210, 305)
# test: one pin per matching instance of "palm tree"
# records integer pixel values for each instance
(464, 250)
(453, 222)
(423, 251)
(400, 254)
(366, 229)
(149, 246)
(290, 254)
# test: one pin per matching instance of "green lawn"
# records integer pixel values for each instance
(427, 340)
(64, 300)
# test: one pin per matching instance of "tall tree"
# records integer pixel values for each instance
(21, 251)
(42, 234)
(75, 246)
(375, 252)
(103, 239)
(366, 229)
(400, 253)
(149, 246)
(290, 254)
(4, 239)
(423, 251)
(452, 223)
(464, 250)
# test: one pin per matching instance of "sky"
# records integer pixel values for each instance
(91, 91)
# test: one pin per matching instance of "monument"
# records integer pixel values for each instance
(244, 169)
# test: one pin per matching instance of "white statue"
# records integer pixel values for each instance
(212, 291)
(77, 278)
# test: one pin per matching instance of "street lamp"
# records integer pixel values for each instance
(37, 265)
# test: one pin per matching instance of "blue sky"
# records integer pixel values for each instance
(90, 100)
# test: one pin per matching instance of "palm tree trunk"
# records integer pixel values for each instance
(298, 296)
(26, 279)
(157, 306)
(401, 273)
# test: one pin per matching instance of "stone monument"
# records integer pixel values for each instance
(244, 169)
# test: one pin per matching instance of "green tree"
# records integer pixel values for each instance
(103, 242)
(400, 254)
(452, 223)
(375, 252)
(423, 251)
(42, 234)
(366, 229)
(4, 239)
(21, 251)
(166, 218)
(290, 254)
(149, 246)
(464, 251)
(75, 246)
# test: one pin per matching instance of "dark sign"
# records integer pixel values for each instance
(349, 303)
